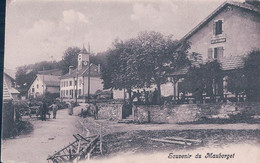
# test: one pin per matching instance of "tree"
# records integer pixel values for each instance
(252, 75)
(236, 82)
(155, 57)
(24, 77)
(203, 79)
(70, 58)
(143, 61)
(116, 71)
(99, 58)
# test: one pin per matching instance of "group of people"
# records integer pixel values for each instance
(44, 109)
(91, 110)
(145, 97)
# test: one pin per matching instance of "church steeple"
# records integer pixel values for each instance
(83, 50)
(83, 58)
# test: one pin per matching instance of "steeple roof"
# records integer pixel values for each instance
(83, 50)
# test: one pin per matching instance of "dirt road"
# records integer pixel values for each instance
(54, 134)
(47, 137)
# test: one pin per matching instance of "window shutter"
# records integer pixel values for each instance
(214, 28)
(210, 53)
(220, 52)
(220, 26)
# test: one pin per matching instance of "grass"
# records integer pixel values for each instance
(140, 141)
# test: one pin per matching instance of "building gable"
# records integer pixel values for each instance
(239, 32)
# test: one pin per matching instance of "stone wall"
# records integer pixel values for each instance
(190, 112)
(111, 111)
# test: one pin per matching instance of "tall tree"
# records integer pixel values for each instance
(236, 82)
(116, 71)
(24, 77)
(252, 74)
(155, 57)
(204, 79)
(70, 58)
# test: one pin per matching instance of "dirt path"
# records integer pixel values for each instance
(47, 137)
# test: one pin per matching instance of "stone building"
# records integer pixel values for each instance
(78, 83)
(227, 35)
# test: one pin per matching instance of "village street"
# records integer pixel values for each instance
(47, 137)
(54, 134)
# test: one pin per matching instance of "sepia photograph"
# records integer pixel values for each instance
(131, 81)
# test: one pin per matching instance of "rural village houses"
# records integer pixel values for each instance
(227, 35)
(44, 83)
(75, 84)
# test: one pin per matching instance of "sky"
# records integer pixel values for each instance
(38, 30)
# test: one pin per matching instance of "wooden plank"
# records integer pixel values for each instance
(63, 159)
(171, 141)
(88, 147)
(183, 139)
(83, 138)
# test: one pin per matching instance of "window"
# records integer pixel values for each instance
(216, 53)
(66, 83)
(79, 92)
(66, 92)
(37, 86)
(32, 89)
(80, 82)
(75, 82)
(70, 83)
(217, 28)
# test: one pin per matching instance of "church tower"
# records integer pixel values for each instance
(83, 58)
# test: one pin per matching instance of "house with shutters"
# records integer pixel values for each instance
(42, 84)
(227, 35)
(83, 80)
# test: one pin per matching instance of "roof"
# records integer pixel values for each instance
(83, 72)
(55, 72)
(227, 63)
(10, 73)
(230, 63)
(50, 80)
(6, 94)
(83, 50)
(245, 6)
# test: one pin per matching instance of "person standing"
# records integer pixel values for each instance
(70, 108)
(55, 108)
(44, 110)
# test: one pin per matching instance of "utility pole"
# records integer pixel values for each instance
(43, 91)
(76, 92)
(89, 74)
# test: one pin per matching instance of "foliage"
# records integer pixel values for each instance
(143, 61)
(70, 58)
(236, 82)
(201, 79)
(99, 58)
(114, 73)
(24, 78)
(252, 75)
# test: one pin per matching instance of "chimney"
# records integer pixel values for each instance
(70, 69)
(98, 68)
